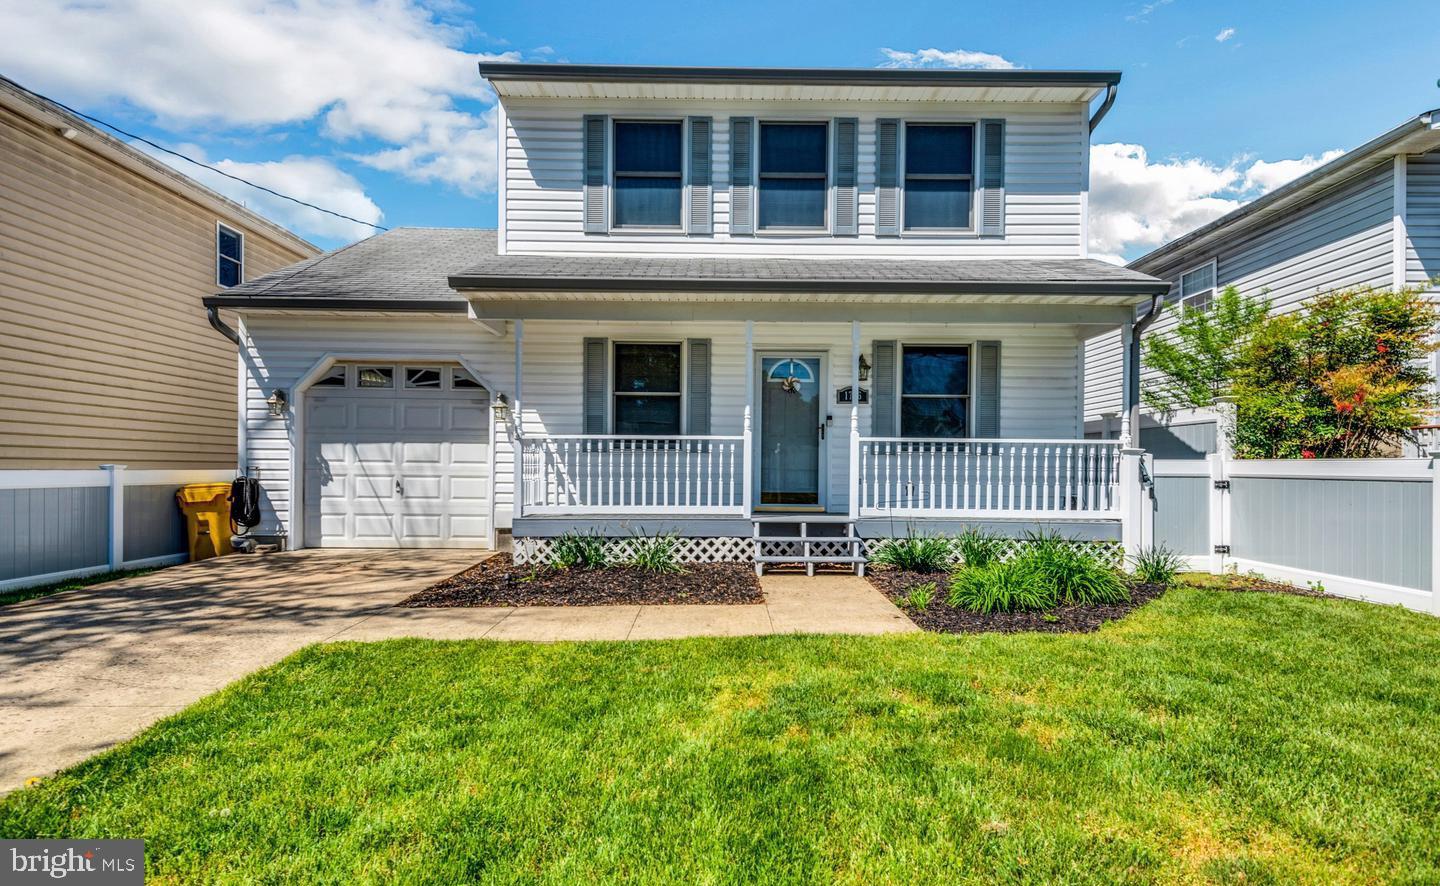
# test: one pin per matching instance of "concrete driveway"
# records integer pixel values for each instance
(83, 670)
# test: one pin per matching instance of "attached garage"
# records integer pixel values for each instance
(397, 456)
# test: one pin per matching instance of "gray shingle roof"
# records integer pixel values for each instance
(416, 268)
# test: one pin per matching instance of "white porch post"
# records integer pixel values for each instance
(854, 419)
(1132, 503)
(747, 460)
(1127, 396)
(519, 449)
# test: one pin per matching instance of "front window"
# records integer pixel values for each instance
(935, 391)
(1197, 287)
(648, 174)
(939, 176)
(647, 389)
(792, 175)
(229, 256)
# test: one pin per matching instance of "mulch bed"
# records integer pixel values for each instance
(944, 619)
(499, 582)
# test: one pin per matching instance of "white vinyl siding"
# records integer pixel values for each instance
(1045, 151)
(1039, 377)
(1422, 218)
(1341, 240)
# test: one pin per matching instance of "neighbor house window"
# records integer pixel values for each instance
(229, 256)
(647, 389)
(935, 391)
(939, 176)
(1197, 287)
(792, 175)
(648, 174)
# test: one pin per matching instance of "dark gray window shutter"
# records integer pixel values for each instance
(847, 175)
(597, 188)
(697, 387)
(887, 178)
(700, 212)
(742, 175)
(596, 384)
(987, 389)
(883, 393)
(992, 178)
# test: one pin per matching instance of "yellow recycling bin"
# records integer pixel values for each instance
(207, 518)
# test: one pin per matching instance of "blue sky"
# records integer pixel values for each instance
(373, 107)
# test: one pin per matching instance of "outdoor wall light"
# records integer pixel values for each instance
(277, 402)
(501, 407)
(864, 368)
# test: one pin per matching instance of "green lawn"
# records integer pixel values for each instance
(1211, 736)
(20, 595)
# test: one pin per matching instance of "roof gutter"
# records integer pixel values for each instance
(573, 73)
(1105, 106)
(497, 283)
(409, 305)
(212, 314)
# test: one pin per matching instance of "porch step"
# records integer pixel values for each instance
(846, 549)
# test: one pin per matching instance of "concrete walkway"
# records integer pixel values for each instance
(84, 670)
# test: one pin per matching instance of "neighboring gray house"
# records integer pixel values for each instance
(1368, 218)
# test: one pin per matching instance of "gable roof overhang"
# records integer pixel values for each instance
(572, 81)
(1418, 135)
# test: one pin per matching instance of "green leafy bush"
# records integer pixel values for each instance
(920, 596)
(1074, 570)
(980, 548)
(1157, 565)
(1000, 587)
(914, 553)
(574, 550)
(658, 554)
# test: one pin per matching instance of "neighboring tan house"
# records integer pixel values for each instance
(694, 271)
(105, 254)
(1368, 218)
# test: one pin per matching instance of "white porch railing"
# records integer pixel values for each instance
(1053, 479)
(611, 474)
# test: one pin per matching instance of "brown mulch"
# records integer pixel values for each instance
(944, 619)
(499, 582)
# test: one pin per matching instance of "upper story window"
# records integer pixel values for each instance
(229, 256)
(649, 171)
(1197, 287)
(939, 176)
(647, 389)
(935, 391)
(792, 176)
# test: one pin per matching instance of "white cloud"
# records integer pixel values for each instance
(1266, 176)
(1137, 205)
(312, 179)
(1144, 11)
(391, 70)
(940, 58)
(1225, 34)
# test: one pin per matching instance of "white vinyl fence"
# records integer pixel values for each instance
(57, 525)
(1363, 528)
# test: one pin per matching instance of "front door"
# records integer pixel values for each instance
(791, 433)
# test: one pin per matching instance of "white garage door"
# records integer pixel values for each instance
(397, 456)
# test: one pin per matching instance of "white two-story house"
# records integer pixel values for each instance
(814, 307)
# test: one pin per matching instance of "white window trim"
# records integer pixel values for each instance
(240, 235)
(973, 228)
(650, 230)
(827, 226)
(611, 375)
(1186, 302)
(900, 395)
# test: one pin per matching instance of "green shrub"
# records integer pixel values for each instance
(980, 548)
(1073, 569)
(1158, 565)
(576, 551)
(658, 554)
(914, 553)
(1000, 587)
(920, 596)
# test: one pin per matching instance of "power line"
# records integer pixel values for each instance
(162, 148)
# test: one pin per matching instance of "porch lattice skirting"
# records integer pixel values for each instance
(741, 549)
